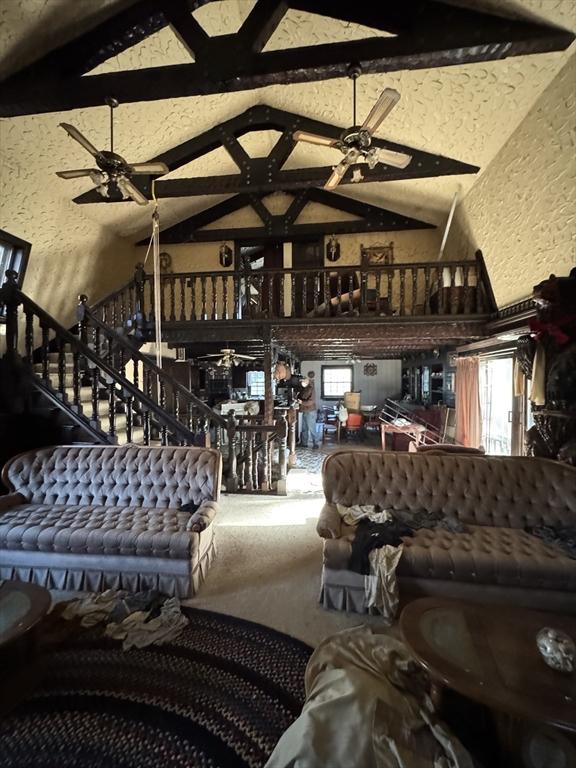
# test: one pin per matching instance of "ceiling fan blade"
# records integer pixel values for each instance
(76, 174)
(205, 357)
(396, 159)
(245, 357)
(149, 168)
(339, 171)
(385, 104)
(127, 188)
(75, 134)
(313, 138)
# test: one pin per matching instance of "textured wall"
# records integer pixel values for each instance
(522, 211)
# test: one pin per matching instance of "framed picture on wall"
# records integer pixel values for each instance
(377, 255)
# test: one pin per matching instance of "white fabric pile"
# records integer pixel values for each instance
(129, 617)
(367, 706)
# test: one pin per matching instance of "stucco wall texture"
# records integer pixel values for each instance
(522, 211)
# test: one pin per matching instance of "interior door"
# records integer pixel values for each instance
(496, 404)
(263, 256)
(306, 254)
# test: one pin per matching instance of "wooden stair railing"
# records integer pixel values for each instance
(88, 369)
(254, 452)
(439, 288)
(392, 410)
(168, 394)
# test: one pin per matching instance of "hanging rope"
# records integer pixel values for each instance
(154, 245)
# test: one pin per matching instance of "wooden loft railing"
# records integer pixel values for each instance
(405, 290)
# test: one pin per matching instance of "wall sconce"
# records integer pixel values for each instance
(333, 249)
(225, 255)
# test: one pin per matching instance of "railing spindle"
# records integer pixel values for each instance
(363, 291)
(192, 285)
(402, 291)
(441, 297)
(248, 484)
(95, 393)
(466, 288)
(129, 418)
(45, 350)
(61, 367)
(427, 290)
(339, 294)
(214, 313)
(112, 409)
(414, 272)
(29, 336)
(225, 314)
(204, 313)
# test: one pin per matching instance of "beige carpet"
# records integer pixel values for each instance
(269, 561)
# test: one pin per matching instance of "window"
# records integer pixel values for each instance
(255, 383)
(336, 380)
(13, 255)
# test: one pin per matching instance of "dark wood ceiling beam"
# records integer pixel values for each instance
(186, 28)
(261, 175)
(264, 214)
(296, 206)
(261, 23)
(431, 34)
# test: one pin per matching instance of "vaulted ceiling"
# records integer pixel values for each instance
(466, 111)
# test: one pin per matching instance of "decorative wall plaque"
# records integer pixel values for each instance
(370, 369)
(377, 255)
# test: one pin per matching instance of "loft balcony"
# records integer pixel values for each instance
(452, 294)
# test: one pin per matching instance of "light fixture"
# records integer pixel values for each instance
(332, 249)
(225, 255)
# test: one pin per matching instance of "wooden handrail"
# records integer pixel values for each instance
(84, 312)
(13, 297)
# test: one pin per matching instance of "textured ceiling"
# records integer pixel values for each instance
(467, 112)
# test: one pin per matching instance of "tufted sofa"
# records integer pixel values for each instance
(97, 517)
(494, 560)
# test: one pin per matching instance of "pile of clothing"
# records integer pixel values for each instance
(139, 619)
(377, 547)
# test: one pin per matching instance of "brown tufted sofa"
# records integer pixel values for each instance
(495, 497)
(108, 517)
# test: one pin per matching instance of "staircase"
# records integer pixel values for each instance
(99, 388)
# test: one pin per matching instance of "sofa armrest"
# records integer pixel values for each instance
(203, 516)
(11, 500)
(329, 524)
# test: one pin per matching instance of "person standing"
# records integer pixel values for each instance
(307, 400)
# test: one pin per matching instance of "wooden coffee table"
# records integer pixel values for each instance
(22, 608)
(488, 654)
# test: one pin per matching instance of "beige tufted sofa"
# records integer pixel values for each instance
(495, 497)
(99, 517)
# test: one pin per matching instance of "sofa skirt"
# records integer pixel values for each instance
(343, 590)
(97, 573)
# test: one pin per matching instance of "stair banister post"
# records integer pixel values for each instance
(139, 280)
(232, 480)
(82, 318)
(282, 432)
(10, 297)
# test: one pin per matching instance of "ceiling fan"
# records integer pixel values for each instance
(227, 358)
(356, 142)
(113, 172)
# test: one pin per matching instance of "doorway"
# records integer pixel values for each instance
(497, 404)
(259, 296)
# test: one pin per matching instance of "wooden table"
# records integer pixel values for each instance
(22, 608)
(488, 654)
(414, 430)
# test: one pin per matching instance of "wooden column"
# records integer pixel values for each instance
(268, 389)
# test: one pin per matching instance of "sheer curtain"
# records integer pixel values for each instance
(468, 420)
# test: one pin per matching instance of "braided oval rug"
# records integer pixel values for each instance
(219, 696)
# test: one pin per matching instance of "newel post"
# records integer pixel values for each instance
(282, 432)
(232, 478)
(10, 297)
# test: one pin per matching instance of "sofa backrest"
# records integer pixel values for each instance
(127, 475)
(511, 492)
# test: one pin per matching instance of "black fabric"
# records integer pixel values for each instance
(191, 506)
(371, 536)
(563, 537)
(404, 522)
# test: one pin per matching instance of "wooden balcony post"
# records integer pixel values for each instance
(268, 389)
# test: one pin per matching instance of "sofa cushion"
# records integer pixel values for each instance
(115, 476)
(94, 529)
(487, 555)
